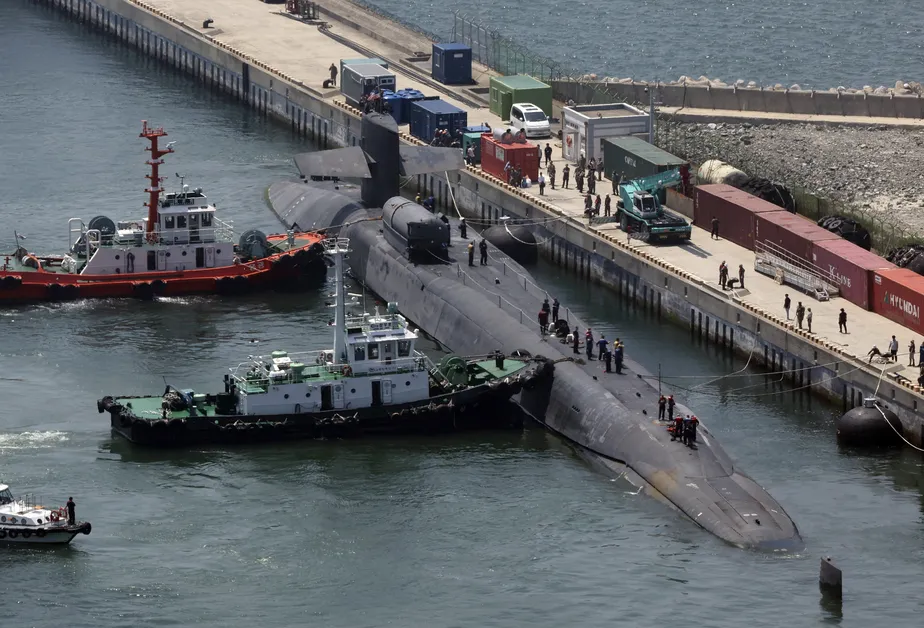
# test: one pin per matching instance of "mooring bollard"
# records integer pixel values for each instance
(829, 579)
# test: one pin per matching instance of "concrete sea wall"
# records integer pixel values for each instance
(736, 98)
(658, 287)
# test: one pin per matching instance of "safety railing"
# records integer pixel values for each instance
(775, 261)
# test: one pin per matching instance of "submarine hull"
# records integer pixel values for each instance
(611, 416)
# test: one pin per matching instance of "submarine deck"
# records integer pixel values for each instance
(721, 491)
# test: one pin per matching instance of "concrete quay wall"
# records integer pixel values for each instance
(756, 99)
(661, 288)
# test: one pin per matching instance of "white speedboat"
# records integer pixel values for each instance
(22, 521)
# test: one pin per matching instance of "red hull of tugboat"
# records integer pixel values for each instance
(282, 270)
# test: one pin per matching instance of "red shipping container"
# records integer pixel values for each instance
(494, 156)
(734, 208)
(852, 268)
(791, 232)
(898, 294)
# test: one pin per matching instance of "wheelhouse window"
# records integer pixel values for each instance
(169, 222)
(404, 348)
(181, 222)
(206, 220)
(359, 353)
(373, 351)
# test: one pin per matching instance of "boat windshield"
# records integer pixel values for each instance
(6, 497)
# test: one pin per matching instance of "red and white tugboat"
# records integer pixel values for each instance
(24, 522)
(180, 248)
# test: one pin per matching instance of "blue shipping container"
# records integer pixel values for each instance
(452, 64)
(429, 115)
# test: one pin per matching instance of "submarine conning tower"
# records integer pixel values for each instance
(381, 144)
(379, 163)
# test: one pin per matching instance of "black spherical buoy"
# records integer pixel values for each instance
(515, 241)
(869, 425)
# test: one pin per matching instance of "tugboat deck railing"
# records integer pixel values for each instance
(255, 376)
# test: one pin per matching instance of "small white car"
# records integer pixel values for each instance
(531, 119)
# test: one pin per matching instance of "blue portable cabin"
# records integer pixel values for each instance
(452, 63)
(429, 115)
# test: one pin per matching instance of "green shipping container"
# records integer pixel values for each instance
(507, 90)
(635, 158)
(473, 140)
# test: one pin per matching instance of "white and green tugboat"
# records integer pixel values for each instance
(373, 380)
(25, 522)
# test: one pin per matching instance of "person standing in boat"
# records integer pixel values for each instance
(71, 511)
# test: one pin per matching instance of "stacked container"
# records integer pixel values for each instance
(898, 294)
(735, 210)
(852, 267)
(452, 64)
(429, 115)
(790, 232)
(495, 156)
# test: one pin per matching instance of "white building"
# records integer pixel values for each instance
(584, 127)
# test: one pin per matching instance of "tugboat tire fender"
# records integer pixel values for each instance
(2, 534)
(71, 291)
(125, 421)
(10, 282)
(177, 424)
(26, 534)
(143, 291)
(55, 290)
(159, 425)
(13, 534)
(40, 533)
(158, 286)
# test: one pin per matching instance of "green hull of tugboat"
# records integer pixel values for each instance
(146, 421)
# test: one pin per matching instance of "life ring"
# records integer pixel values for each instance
(55, 517)
(347, 371)
(569, 141)
(260, 265)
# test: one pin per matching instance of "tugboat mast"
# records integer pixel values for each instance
(337, 248)
(152, 135)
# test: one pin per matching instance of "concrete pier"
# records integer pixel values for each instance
(276, 65)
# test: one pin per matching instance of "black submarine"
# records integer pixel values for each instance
(405, 253)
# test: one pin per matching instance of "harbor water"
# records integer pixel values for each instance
(496, 529)
(816, 45)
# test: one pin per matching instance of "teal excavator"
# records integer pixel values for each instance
(639, 208)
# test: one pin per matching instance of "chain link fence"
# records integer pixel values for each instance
(388, 15)
(496, 51)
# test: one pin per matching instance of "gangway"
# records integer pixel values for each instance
(774, 261)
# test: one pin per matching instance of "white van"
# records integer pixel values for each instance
(531, 119)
